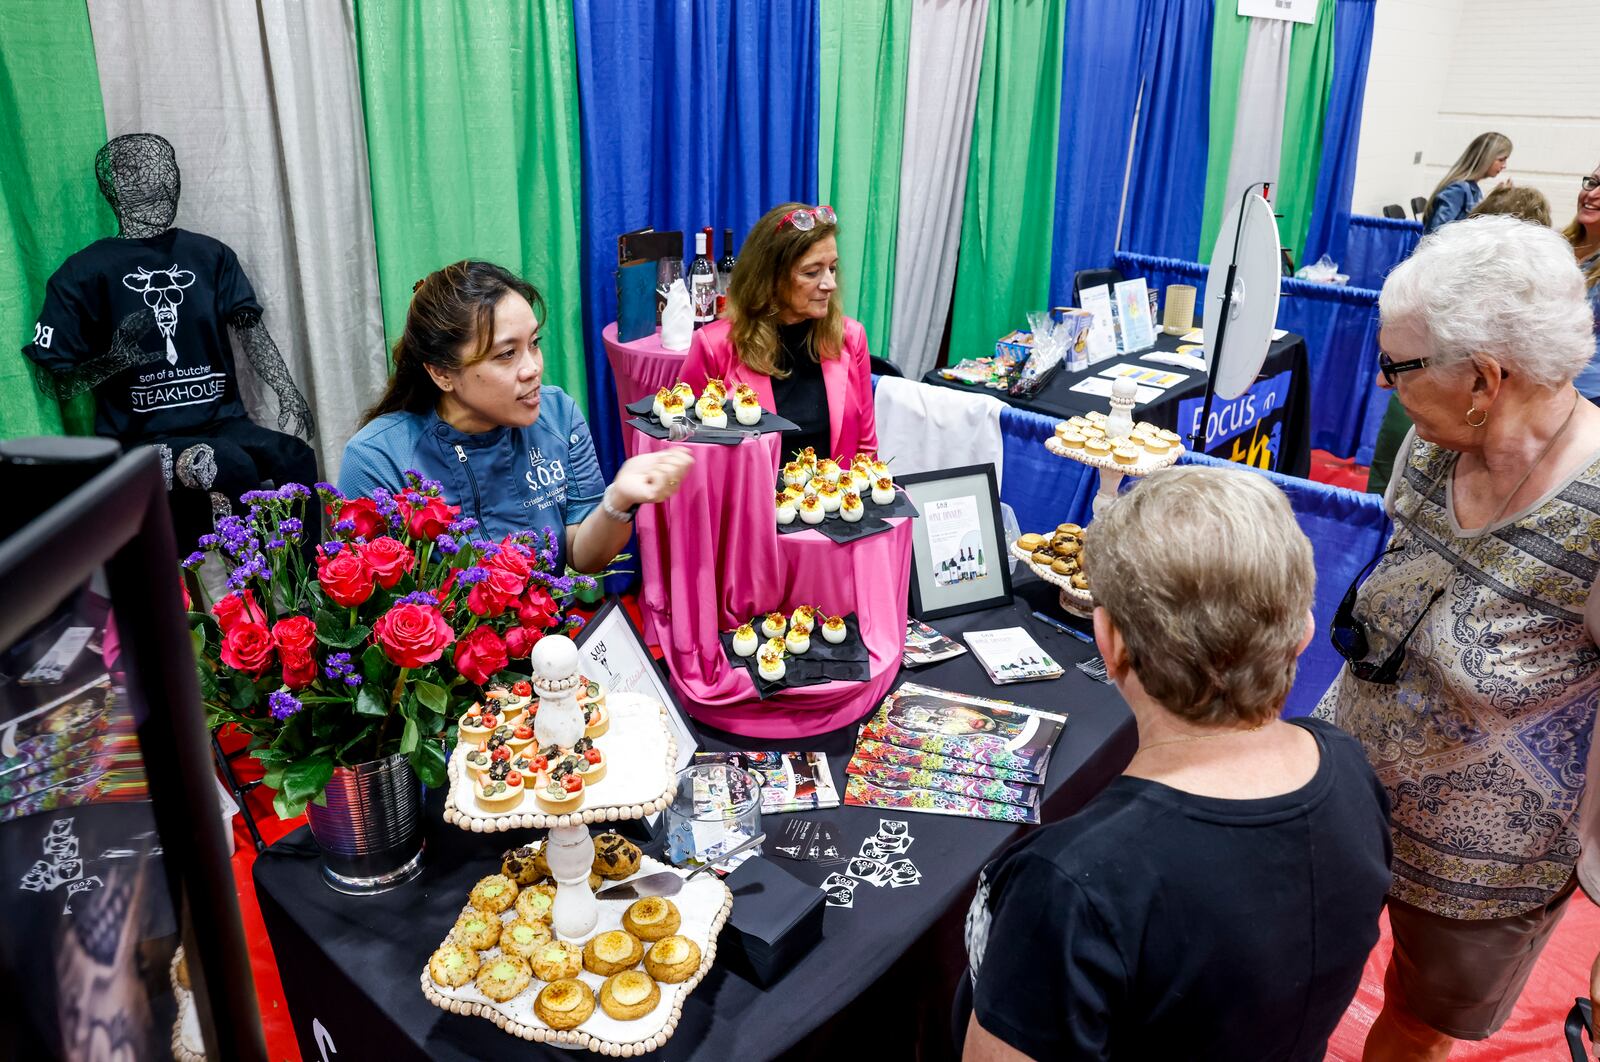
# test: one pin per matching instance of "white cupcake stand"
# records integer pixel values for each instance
(640, 755)
(1112, 472)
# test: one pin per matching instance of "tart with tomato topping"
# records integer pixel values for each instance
(521, 736)
(561, 795)
(502, 790)
(590, 692)
(477, 724)
(593, 767)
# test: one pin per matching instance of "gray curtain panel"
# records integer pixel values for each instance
(261, 100)
(1263, 94)
(945, 57)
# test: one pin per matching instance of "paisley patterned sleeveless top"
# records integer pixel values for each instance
(1483, 743)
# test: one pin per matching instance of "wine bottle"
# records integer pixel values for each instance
(725, 263)
(702, 283)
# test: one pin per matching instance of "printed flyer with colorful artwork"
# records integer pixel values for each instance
(863, 793)
(970, 728)
(1022, 794)
(872, 752)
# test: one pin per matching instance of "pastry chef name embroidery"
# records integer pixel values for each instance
(547, 481)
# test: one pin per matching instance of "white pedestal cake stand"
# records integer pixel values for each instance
(640, 780)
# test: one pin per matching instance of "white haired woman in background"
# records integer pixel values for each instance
(1472, 675)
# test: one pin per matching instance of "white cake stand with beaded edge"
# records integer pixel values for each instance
(1112, 472)
(640, 755)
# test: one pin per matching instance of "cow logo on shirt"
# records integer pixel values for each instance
(163, 293)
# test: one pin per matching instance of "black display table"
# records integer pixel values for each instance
(1270, 429)
(350, 966)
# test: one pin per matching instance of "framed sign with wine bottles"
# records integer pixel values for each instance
(958, 561)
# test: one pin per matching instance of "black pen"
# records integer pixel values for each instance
(1063, 628)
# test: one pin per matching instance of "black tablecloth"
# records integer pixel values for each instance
(1289, 417)
(353, 965)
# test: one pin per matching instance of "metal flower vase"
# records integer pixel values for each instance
(370, 830)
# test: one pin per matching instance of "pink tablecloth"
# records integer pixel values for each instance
(712, 558)
(641, 367)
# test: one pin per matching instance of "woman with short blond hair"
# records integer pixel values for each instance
(1219, 899)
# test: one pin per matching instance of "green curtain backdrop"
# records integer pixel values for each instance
(51, 124)
(472, 140)
(858, 158)
(1310, 80)
(1006, 226)
(1230, 32)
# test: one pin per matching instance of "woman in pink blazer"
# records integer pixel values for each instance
(785, 335)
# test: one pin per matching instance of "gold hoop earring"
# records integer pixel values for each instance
(1483, 416)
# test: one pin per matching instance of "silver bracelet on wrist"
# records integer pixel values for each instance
(621, 516)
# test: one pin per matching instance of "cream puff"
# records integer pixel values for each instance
(834, 630)
(744, 640)
(883, 491)
(787, 509)
(795, 474)
(811, 510)
(850, 508)
(711, 413)
(830, 496)
(797, 641)
(747, 409)
(774, 625)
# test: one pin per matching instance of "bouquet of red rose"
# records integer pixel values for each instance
(376, 645)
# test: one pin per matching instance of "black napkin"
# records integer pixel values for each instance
(834, 526)
(846, 662)
(776, 920)
(647, 423)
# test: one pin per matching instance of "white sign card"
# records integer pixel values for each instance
(1142, 375)
(613, 652)
(1103, 332)
(1133, 313)
(1283, 10)
(1101, 386)
(955, 540)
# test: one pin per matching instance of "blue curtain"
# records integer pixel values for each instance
(1341, 132)
(1346, 530)
(1167, 185)
(1099, 88)
(1377, 245)
(695, 113)
(1340, 326)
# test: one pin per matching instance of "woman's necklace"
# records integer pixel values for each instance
(1203, 737)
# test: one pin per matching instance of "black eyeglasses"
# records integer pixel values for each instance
(1391, 368)
(1590, 183)
(1349, 635)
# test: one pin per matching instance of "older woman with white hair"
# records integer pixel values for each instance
(1218, 900)
(1472, 674)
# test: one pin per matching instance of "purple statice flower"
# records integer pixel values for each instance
(330, 549)
(485, 547)
(419, 597)
(344, 527)
(447, 545)
(283, 705)
(560, 584)
(276, 543)
(291, 491)
(575, 624)
(463, 526)
(208, 541)
(384, 500)
(194, 560)
(337, 665)
(585, 582)
(238, 578)
(292, 527)
(474, 574)
(352, 681)
(251, 497)
(431, 487)
(329, 492)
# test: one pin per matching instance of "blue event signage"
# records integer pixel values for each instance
(1247, 429)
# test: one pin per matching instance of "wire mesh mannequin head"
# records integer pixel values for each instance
(138, 175)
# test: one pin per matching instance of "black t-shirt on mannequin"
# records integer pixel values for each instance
(194, 285)
(801, 396)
